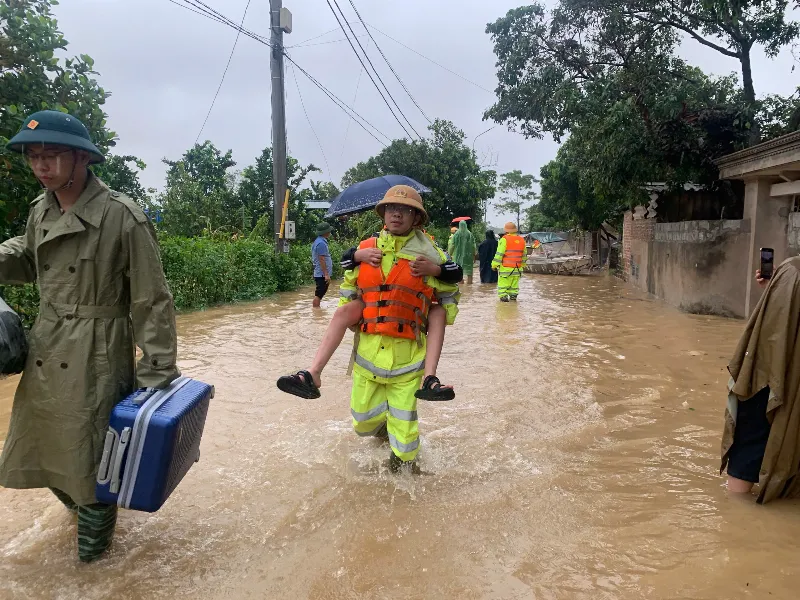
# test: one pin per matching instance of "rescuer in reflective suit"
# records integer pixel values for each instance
(391, 344)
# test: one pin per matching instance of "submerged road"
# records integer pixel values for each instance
(578, 461)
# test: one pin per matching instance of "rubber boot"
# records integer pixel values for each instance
(65, 500)
(96, 524)
(505, 299)
(397, 465)
(382, 433)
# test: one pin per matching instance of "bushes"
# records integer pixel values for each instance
(206, 271)
(24, 299)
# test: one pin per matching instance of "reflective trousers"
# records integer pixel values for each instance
(392, 404)
(508, 284)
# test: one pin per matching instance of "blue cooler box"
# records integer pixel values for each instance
(152, 442)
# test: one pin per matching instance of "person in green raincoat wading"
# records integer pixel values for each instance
(461, 248)
(95, 257)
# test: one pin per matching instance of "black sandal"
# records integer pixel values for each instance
(433, 391)
(304, 386)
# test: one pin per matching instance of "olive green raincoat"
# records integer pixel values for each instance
(102, 287)
(768, 354)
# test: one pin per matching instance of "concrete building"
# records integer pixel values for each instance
(707, 265)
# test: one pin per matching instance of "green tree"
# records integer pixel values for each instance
(731, 27)
(33, 78)
(205, 164)
(634, 111)
(255, 192)
(536, 220)
(555, 68)
(443, 163)
(121, 173)
(198, 196)
(567, 201)
(306, 220)
(517, 190)
(779, 115)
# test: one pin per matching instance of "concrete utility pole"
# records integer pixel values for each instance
(280, 23)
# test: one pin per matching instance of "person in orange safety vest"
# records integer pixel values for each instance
(392, 345)
(509, 261)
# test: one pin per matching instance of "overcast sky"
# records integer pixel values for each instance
(163, 64)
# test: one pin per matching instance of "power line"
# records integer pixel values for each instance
(349, 111)
(350, 120)
(358, 14)
(431, 60)
(314, 131)
(195, 11)
(316, 37)
(369, 60)
(225, 72)
(322, 43)
(202, 9)
(360, 121)
(375, 83)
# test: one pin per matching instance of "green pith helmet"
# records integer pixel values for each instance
(323, 228)
(54, 127)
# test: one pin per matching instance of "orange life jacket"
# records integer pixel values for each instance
(515, 251)
(396, 305)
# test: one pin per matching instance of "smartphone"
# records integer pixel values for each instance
(767, 260)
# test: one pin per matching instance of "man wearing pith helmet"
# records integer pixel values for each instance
(94, 254)
(509, 261)
(392, 343)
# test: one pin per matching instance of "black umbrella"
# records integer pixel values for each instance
(366, 194)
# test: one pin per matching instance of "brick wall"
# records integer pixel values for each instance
(694, 232)
(641, 230)
(626, 242)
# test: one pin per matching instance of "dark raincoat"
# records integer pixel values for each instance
(486, 252)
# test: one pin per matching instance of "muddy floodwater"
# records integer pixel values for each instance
(578, 461)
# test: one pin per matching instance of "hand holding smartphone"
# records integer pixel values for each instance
(767, 263)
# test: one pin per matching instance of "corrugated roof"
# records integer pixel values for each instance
(318, 205)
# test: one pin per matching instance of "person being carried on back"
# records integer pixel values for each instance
(436, 264)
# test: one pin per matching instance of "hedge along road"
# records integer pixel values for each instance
(567, 467)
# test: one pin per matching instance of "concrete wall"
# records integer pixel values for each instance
(794, 234)
(698, 266)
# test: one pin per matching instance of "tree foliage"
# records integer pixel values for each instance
(730, 27)
(204, 195)
(443, 163)
(569, 199)
(33, 78)
(634, 111)
(121, 173)
(536, 220)
(517, 192)
(255, 195)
